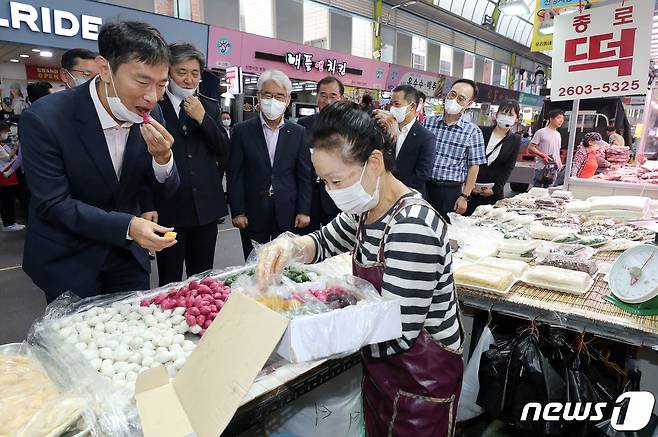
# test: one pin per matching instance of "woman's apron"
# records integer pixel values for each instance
(413, 393)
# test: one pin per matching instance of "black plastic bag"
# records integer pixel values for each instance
(493, 375)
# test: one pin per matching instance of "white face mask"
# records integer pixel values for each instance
(355, 199)
(452, 107)
(226, 123)
(399, 113)
(179, 91)
(118, 109)
(505, 121)
(4, 136)
(272, 108)
(76, 80)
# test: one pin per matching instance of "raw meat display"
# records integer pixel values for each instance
(617, 155)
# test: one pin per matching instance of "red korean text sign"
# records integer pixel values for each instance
(602, 51)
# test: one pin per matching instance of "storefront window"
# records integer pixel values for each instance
(316, 25)
(445, 63)
(504, 71)
(183, 9)
(469, 66)
(419, 53)
(362, 35)
(256, 16)
(487, 76)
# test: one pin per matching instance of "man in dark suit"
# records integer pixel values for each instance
(87, 156)
(323, 209)
(193, 121)
(416, 146)
(269, 168)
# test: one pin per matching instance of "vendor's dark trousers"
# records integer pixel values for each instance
(261, 235)
(120, 273)
(195, 248)
(480, 200)
(320, 213)
(8, 205)
(442, 196)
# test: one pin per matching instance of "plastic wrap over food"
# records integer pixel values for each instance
(571, 263)
(626, 203)
(574, 250)
(32, 404)
(328, 317)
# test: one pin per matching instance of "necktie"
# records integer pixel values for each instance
(182, 115)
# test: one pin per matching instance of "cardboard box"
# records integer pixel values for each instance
(204, 396)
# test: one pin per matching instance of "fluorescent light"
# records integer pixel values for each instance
(13, 60)
(514, 7)
(24, 56)
(46, 54)
(36, 50)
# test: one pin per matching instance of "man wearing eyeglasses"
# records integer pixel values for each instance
(78, 66)
(269, 173)
(323, 209)
(460, 151)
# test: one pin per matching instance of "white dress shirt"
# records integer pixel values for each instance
(403, 136)
(116, 137)
(271, 137)
(492, 151)
(175, 101)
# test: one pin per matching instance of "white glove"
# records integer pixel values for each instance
(276, 255)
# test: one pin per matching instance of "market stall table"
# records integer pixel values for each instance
(589, 312)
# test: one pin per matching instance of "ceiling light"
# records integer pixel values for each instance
(24, 56)
(36, 50)
(513, 7)
(13, 60)
(46, 54)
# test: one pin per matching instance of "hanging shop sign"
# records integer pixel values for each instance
(77, 23)
(602, 51)
(37, 72)
(544, 21)
(234, 79)
(429, 83)
(255, 54)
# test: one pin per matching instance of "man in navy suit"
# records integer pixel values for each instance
(416, 146)
(323, 209)
(269, 170)
(87, 155)
(193, 121)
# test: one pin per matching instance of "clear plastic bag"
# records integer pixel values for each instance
(32, 403)
(468, 407)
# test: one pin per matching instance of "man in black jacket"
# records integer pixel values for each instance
(87, 155)
(269, 170)
(416, 146)
(193, 120)
(323, 209)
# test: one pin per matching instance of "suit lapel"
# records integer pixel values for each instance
(281, 142)
(260, 140)
(169, 114)
(92, 137)
(134, 145)
(410, 139)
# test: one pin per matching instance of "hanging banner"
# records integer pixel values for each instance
(602, 52)
(543, 23)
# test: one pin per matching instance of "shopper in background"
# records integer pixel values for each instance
(226, 124)
(415, 148)
(18, 102)
(589, 156)
(7, 112)
(193, 121)
(323, 209)
(460, 151)
(503, 147)
(421, 107)
(78, 66)
(399, 244)
(8, 182)
(614, 139)
(269, 169)
(87, 156)
(36, 90)
(367, 103)
(546, 145)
